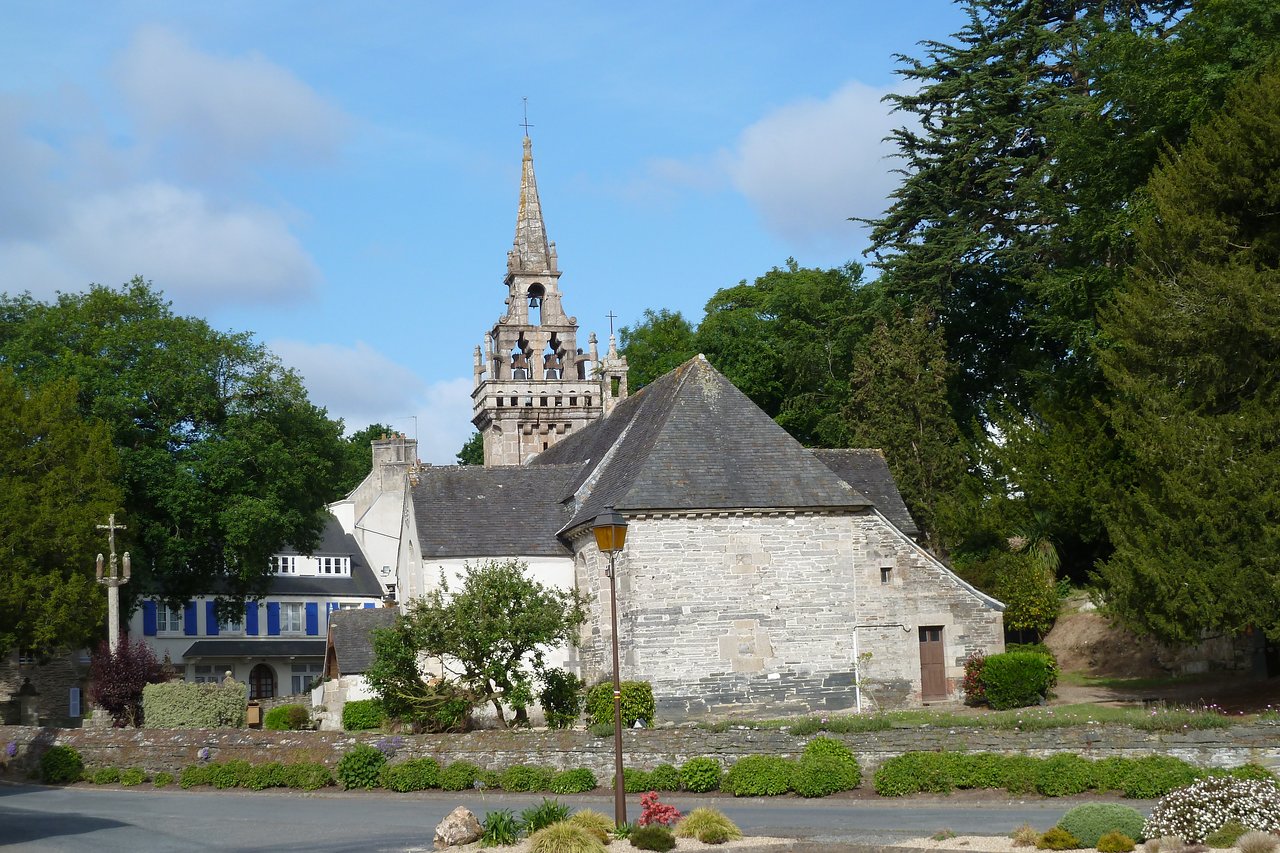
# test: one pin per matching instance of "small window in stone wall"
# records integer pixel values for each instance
(886, 574)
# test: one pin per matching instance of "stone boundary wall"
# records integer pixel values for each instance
(172, 749)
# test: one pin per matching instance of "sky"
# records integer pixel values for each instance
(341, 178)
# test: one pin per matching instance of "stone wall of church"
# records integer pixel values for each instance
(749, 614)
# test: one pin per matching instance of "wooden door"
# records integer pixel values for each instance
(933, 664)
(262, 682)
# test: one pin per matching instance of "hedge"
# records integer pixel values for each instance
(186, 705)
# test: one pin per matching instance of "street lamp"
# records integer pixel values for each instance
(610, 529)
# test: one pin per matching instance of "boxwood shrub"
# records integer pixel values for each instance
(1017, 679)
(577, 781)
(637, 704)
(526, 778)
(758, 776)
(360, 715)
(700, 775)
(61, 765)
(416, 774)
(287, 718)
(664, 777)
(459, 776)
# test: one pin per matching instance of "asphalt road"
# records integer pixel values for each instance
(104, 820)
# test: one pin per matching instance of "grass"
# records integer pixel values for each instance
(1080, 679)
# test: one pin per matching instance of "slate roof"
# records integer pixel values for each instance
(472, 511)
(251, 648)
(334, 542)
(867, 471)
(351, 636)
(692, 441)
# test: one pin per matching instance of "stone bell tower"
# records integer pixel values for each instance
(533, 383)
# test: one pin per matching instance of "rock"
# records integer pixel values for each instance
(459, 827)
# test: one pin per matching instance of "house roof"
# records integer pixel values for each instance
(251, 648)
(351, 636)
(471, 511)
(334, 542)
(692, 441)
(867, 471)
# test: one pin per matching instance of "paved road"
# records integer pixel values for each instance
(106, 820)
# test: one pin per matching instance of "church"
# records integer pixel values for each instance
(758, 577)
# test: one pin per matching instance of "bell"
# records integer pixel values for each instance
(535, 301)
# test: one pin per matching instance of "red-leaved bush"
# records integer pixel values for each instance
(118, 679)
(653, 812)
(974, 691)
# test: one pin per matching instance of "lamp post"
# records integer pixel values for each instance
(113, 580)
(610, 529)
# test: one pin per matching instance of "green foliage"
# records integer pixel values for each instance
(187, 705)
(526, 777)
(1065, 775)
(913, 773)
(710, 826)
(546, 813)
(459, 776)
(1115, 842)
(193, 775)
(1057, 838)
(1226, 835)
(561, 698)
(635, 780)
(700, 775)
(361, 767)
(356, 460)
(1154, 776)
(494, 628)
(132, 776)
(1089, 822)
(601, 729)
(1029, 591)
(103, 775)
(758, 776)
(228, 774)
(1016, 679)
(307, 776)
(637, 703)
(658, 344)
(664, 777)
(416, 774)
(577, 781)
(61, 765)
(827, 766)
(360, 715)
(162, 780)
(472, 452)
(501, 827)
(652, 837)
(263, 776)
(287, 718)
(564, 837)
(433, 705)
(594, 822)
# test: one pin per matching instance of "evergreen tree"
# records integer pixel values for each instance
(472, 452)
(658, 344)
(1194, 341)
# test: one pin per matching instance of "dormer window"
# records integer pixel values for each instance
(334, 565)
(284, 564)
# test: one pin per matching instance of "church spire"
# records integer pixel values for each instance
(530, 252)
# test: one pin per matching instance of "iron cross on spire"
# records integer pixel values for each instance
(525, 124)
(612, 316)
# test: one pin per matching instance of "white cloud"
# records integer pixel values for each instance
(362, 386)
(809, 166)
(242, 108)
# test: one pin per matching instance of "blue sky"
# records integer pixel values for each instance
(341, 178)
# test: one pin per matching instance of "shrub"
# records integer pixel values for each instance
(104, 775)
(577, 781)
(193, 775)
(361, 715)
(1024, 836)
(61, 765)
(1115, 842)
(1154, 776)
(637, 703)
(599, 825)
(700, 775)
(133, 776)
(564, 837)
(287, 718)
(230, 774)
(361, 767)
(974, 692)
(827, 766)
(1057, 839)
(1226, 835)
(653, 810)
(543, 815)
(978, 770)
(635, 780)
(1252, 770)
(1065, 775)
(1091, 821)
(654, 837)
(1016, 679)
(162, 780)
(1018, 773)
(119, 678)
(758, 776)
(263, 776)
(704, 824)
(459, 776)
(1193, 812)
(416, 774)
(601, 729)
(1039, 649)
(1257, 842)
(187, 705)
(306, 776)
(912, 773)
(561, 698)
(501, 829)
(526, 777)
(664, 777)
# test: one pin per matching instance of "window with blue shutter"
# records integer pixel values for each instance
(369, 604)
(149, 618)
(251, 618)
(211, 618)
(189, 619)
(313, 619)
(273, 618)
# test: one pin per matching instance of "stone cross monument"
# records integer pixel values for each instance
(113, 580)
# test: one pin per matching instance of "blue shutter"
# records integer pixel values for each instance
(313, 619)
(149, 618)
(189, 619)
(211, 618)
(273, 618)
(369, 604)
(251, 618)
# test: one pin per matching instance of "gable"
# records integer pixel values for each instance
(866, 471)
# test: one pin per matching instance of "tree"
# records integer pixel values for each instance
(1193, 344)
(493, 632)
(58, 479)
(658, 344)
(223, 459)
(1026, 585)
(395, 676)
(472, 452)
(357, 457)
(118, 679)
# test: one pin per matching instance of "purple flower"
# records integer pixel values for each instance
(203, 754)
(11, 748)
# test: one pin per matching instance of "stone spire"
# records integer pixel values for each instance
(530, 252)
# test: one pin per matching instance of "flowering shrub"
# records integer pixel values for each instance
(654, 812)
(1193, 812)
(974, 692)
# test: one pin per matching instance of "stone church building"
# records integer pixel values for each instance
(758, 577)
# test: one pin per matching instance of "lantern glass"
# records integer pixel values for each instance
(610, 529)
